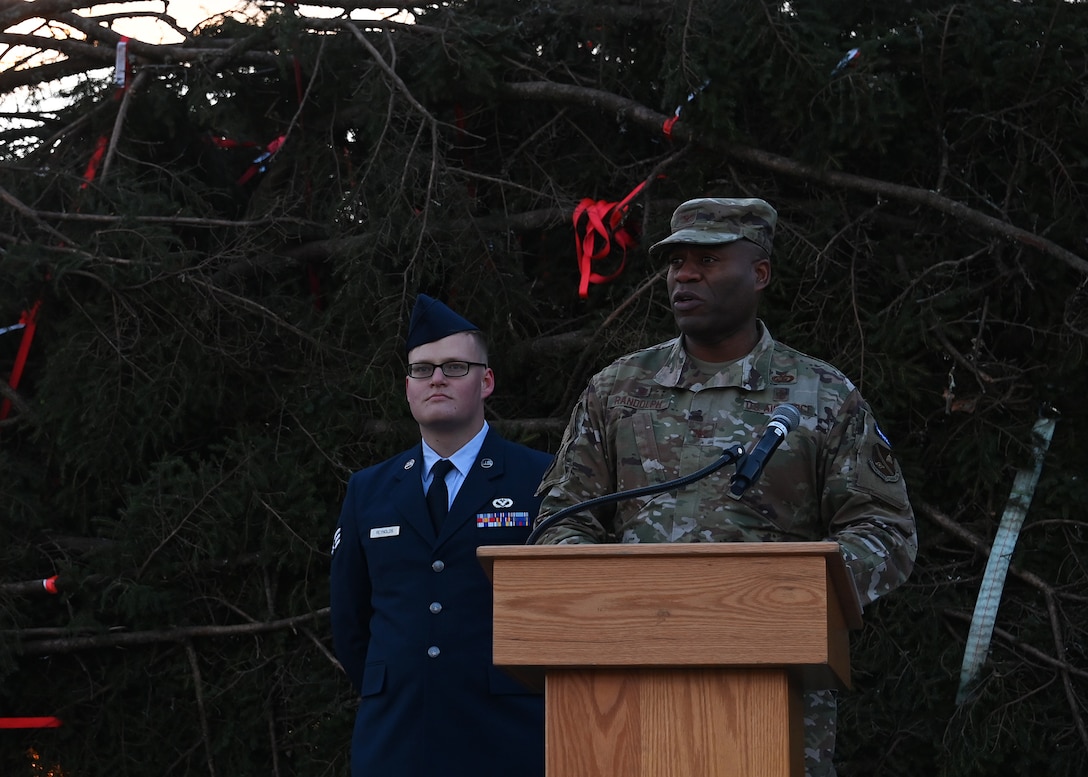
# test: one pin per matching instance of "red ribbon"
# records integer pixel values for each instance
(671, 121)
(222, 141)
(40, 722)
(258, 165)
(595, 235)
(29, 320)
(96, 159)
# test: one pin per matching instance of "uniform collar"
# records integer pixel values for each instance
(750, 372)
(462, 459)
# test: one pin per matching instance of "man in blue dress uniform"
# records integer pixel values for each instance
(411, 605)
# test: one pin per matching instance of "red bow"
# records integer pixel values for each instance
(598, 226)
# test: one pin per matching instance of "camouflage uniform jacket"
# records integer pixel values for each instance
(659, 414)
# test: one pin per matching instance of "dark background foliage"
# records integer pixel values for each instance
(220, 343)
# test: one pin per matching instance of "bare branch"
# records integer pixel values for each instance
(981, 546)
(633, 111)
(198, 690)
(125, 639)
(126, 101)
(1025, 648)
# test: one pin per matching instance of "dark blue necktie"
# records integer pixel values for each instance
(438, 497)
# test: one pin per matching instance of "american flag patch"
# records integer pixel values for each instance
(501, 520)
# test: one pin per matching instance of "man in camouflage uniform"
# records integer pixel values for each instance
(669, 410)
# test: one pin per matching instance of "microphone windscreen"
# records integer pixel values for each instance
(787, 415)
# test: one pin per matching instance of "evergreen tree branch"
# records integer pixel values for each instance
(390, 73)
(252, 306)
(24, 587)
(321, 648)
(274, 747)
(15, 11)
(431, 122)
(652, 120)
(82, 56)
(91, 545)
(184, 520)
(29, 213)
(10, 79)
(153, 374)
(126, 101)
(179, 221)
(100, 50)
(1049, 594)
(69, 47)
(198, 690)
(1066, 671)
(377, 5)
(969, 365)
(946, 522)
(1025, 648)
(179, 635)
(21, 406)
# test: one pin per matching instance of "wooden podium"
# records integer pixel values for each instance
(673, 660)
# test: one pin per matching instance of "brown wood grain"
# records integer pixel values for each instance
(655, 723)
(708, 605)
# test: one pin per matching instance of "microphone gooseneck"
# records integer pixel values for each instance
(729, 456)
(749, 467)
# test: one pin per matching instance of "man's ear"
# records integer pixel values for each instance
(762, 269)
(488, 383)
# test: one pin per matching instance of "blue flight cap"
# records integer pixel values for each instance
(431, 320)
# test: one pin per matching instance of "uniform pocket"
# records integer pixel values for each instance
(645, 467)
(373, 679)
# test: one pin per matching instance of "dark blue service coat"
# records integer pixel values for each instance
(412, 620)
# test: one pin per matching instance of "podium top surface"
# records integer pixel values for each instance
(843, 583)
(662, 549)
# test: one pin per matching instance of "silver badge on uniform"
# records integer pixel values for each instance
(409, 464)
(487, 463)
(502, 501)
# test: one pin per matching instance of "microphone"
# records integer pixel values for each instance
(783, 421)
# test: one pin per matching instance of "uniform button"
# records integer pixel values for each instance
(438, 566)
(436, 607)
(433, 652)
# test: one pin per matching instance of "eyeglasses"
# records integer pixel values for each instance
(458, 369)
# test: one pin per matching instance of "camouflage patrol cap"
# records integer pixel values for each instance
(713, 221)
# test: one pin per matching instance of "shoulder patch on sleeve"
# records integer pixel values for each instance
(883, 463)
